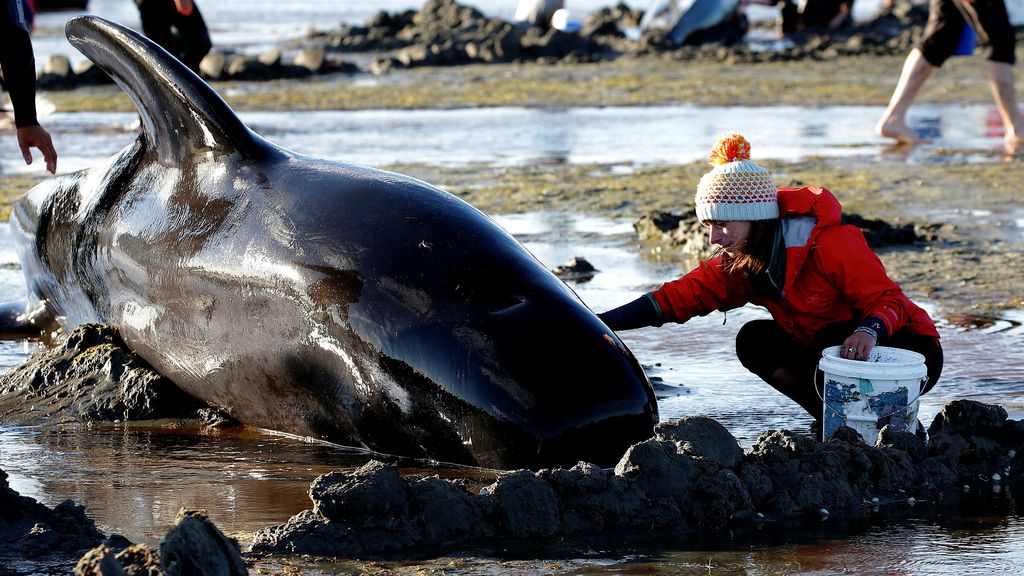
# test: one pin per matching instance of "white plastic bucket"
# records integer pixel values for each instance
(867, 395)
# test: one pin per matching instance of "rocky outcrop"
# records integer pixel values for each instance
(692, 476)
(90, 376)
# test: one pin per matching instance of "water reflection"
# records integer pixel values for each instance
(516, 136)
(134, 480)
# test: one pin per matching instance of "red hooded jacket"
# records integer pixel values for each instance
(831, 276)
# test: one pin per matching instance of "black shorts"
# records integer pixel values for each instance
(946, 19)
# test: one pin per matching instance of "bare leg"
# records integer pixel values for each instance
(894, 121)
(1000, 76)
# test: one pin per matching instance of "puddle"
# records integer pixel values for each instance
(514, 135)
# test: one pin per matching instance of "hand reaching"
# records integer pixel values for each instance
(36, 137)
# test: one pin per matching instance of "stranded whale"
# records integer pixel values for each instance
(318, 298)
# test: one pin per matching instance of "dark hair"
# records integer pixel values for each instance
(756, 252)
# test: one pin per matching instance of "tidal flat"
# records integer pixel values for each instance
(972, 268)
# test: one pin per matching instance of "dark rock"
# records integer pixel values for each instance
(100, 561)
(309, 533)
(757, 482)
(375, 488)
(702, 437)
(136, 560)
(912, 444)
(892, 471)
(525, 507)
(578, 269)
(717, 498)
(659, 470)
(968, 416)
(846, 434)
(30, 530)
(91, 376)
(196, 546)
(442, 511)
(140, 560)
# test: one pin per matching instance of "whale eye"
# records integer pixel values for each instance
(504, 302)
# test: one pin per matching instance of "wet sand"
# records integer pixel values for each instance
(974, 269)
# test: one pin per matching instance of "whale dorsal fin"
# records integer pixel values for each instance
(181, 114)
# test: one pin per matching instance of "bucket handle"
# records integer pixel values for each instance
(821, 395)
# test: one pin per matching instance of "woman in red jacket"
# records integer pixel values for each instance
(787, 250)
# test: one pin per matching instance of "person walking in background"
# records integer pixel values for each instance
(799, 16)
(786, 249)
(19, 69)
(946, 21)
(178, 27)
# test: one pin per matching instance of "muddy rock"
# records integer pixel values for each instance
(444, 510)
(136, 560)
(703, 437)
(577, 269)
(196, 546)
(29, 529)
(193, 547)
(689, 478)
(525, 506)
(90, 376)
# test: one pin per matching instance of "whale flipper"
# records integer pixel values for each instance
(181, 115)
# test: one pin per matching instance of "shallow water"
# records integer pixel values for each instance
(134, 479)
(515, 135)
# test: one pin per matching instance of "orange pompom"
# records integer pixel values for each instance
(730, 148)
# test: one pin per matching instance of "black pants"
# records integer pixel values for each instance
(185, 37)
(946, 20)
(763, 348)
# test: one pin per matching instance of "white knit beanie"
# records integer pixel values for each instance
(736, 188)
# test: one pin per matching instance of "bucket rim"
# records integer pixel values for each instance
(909, 364)
(912, 358)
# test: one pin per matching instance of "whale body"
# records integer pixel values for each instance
(323, 299)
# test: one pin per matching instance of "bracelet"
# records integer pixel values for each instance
(869, 331)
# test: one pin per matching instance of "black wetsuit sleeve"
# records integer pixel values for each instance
(642, 312)
(19, 69)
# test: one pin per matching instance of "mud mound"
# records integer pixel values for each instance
(692, 476)
(90, 376)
